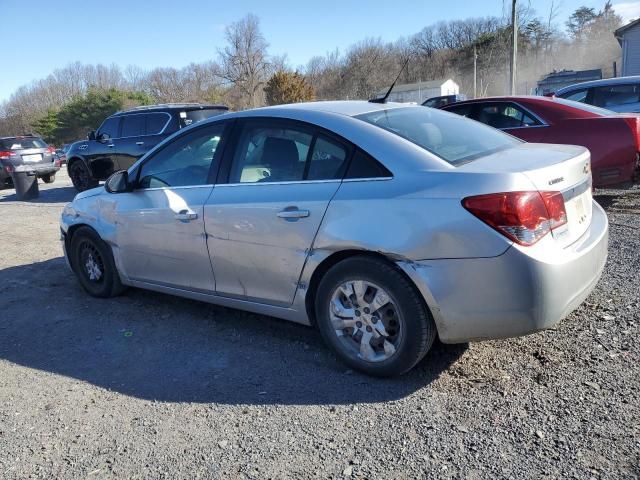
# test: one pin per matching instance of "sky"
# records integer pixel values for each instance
(51, 34)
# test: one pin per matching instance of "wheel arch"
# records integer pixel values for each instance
(338, 256)
(75, 158)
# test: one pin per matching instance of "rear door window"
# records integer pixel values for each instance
(327, 161)
(365, 166)
(133, 125)
(613, 95)
(576, 96)
(270, 154)
(156, 122)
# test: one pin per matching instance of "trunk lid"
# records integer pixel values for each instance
(551, 168)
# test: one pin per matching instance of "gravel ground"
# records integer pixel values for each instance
(150, 386)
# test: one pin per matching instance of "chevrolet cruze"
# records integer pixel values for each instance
(383, 225)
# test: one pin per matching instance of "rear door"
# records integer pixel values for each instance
(262, 220)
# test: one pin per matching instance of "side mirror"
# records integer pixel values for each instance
(91, 135)
(118, 182)
(103, 137)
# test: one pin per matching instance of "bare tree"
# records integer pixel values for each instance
(244, 61)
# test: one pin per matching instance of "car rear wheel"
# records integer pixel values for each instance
(373, 317)
(81, 176)
(93, 264)
(48, 178)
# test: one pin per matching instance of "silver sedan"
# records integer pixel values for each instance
(383, 225)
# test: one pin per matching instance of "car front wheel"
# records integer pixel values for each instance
(81, 176)
(93, 264)
(373, 317)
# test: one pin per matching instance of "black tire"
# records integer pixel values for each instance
(87, 247)
(48, 178)
(81, 176)
(413, 314)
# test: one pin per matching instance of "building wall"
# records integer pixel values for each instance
(631, 52)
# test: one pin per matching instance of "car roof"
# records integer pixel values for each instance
(162, 107)
(600, 83)
(506, 98)
(349, 108)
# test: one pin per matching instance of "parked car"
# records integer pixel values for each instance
(28, 153)
(613, 139)
(621, 94)
(437, 102)
(62, 153)
(383, 224)
(125, 136)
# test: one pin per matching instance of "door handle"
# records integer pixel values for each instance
(111, 145)
(186, 215)
(293, 213)
(139, 143)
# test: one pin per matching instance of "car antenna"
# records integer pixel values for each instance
(384, 99)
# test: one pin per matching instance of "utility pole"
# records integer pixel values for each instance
(475, 72)
(514, 48)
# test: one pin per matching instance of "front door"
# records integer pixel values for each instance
(261, 224)
(101, 153)
(161, 233)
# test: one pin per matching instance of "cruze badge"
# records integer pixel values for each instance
(556, 180)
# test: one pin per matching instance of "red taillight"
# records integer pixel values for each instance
(51, 150)
(554, 202)
(5, 153)
(524, 217)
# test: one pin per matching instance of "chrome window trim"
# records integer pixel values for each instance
(148, 134)
(181, 187)
(368, 179)
(292, 182)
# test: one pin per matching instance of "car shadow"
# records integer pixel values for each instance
(47, 195)
(158, 347)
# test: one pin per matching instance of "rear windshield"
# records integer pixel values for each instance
(453, 138)
(22, 143)
(193, 116)
(584, 106)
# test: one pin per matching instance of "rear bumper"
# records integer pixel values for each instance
(37, 169)
(519, 292)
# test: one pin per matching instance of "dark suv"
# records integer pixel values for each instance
(126, 136)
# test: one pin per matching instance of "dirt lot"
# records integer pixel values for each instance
(150, 386)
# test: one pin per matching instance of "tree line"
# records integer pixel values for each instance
(76, 98)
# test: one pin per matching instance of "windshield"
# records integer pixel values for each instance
(584, 106)
(453, 138)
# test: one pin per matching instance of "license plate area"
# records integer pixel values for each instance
(33, 158)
